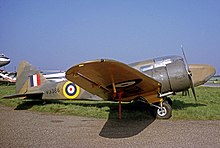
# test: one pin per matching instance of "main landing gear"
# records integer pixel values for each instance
(163, 110)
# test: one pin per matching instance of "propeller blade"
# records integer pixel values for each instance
(187, 65)
(192, 87)
(189, 74)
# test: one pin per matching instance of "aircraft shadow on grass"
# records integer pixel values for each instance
(135, 116)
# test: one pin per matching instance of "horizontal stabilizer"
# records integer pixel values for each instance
(28, 95)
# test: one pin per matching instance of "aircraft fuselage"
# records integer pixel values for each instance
(4, 60)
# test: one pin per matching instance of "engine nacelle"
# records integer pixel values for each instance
(170, 71)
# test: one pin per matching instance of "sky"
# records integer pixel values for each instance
(57, 34)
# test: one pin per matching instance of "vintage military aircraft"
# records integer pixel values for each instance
(151, 81)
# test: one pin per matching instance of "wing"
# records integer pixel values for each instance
(100, 76)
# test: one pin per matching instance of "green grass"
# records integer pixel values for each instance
(206, 108)
(184, 107)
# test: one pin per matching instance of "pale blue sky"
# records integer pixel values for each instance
(57, 34)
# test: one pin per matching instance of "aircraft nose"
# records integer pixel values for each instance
(201, 73)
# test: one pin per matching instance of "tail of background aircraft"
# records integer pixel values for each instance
(28, 78)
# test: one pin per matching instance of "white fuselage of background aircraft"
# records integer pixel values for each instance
(55, 76)
(4, 60)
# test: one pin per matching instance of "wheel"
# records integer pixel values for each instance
(164, 112)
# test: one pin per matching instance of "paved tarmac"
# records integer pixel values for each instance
(22, 128)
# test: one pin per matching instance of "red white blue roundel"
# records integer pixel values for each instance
(70, 90)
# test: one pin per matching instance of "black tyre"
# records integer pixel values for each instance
(165, 112)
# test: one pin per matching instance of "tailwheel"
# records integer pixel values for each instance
(164, 111)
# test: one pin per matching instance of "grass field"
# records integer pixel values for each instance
(184, 107)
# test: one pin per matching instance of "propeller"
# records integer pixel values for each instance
(189, 74)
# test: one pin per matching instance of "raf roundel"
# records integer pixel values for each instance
(70, 90)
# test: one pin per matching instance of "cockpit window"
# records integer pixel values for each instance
(163, 61)
(146, 68)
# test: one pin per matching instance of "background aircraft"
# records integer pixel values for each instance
(55, 76)
(7, 77)
(4, 60)
(151, 81)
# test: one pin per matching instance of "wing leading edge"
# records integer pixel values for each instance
(106, 77)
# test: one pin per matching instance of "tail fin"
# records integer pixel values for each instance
(28, 77)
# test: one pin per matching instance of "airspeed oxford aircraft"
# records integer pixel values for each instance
(151, 81)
